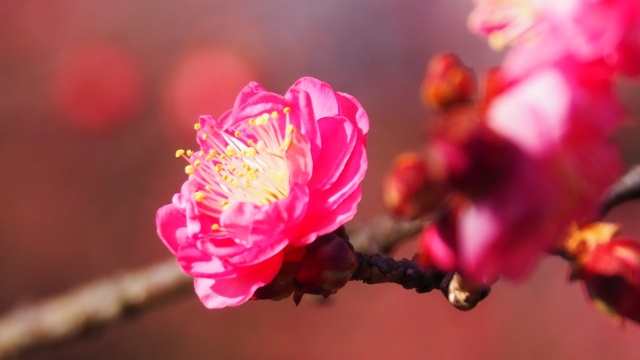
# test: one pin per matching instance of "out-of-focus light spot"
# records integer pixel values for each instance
(205, 80)
(96, 87)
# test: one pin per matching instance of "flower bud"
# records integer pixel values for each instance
(410, 189)
(326, 266)
(447, 82)
(611, 274)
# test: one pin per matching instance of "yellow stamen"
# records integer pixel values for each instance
(198, 196)
(197, 126)
(179, 153)
(189, 170)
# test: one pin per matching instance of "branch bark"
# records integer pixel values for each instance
(112, 299)
(626, 189)
(377, 269)
(91, 306)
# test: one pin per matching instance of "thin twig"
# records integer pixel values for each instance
(91, 306)
(382, 235)
(377, 269)
(626, 189)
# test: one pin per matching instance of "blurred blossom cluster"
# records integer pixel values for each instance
(531, 152)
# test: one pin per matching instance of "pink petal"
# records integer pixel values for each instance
(299, 160)
(348, 180)
(303, 119)
(534, 113)
(220, 293)
(196, 262)
(323, 98)
(248, 93)
(334, 153)
(171, 226)
(261, 229)
(319, 223)
(350, 108)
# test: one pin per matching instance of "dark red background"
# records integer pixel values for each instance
(95, 96)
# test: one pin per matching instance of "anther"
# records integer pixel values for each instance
(198, 196)
(215, 227)
(179, 153)
(197, 126)
(189, 170)
(286, 110)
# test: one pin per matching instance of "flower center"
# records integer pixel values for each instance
(245, 165)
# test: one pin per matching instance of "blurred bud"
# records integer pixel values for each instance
(326, 266)
(410, 189)
(470, 157)
(582, 241)
(447, 82)
(611, 274)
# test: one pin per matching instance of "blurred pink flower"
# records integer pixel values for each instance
(273, 172)
(556, 123)
(544, 31)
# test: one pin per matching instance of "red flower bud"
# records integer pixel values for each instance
(447, 82)
(611, 274)
(326, 266)
(411, 188)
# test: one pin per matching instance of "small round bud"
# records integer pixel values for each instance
(409, 190)
(326, 266)
(447, 82)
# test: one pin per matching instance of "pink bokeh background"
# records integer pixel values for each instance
(96, 96)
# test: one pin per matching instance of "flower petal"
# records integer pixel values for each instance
(171, 225)
(323, 99)
(350, 108)
(219, 293)
(334, 153)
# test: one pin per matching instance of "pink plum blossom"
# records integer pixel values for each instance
(272, 174)
(544, 31)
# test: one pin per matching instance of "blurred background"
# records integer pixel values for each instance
(96, 96)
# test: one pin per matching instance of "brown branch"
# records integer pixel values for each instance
(377, 269)
(107, 301)
(382, 235)
(626, 189)
(91, 306)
